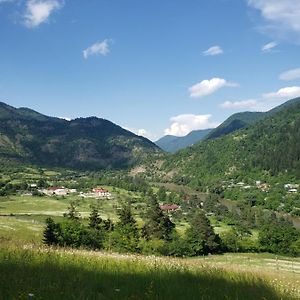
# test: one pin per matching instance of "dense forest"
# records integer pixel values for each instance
(269, 146)
(29, 137)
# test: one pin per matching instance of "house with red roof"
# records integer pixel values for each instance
(101, 192)
(169, 207)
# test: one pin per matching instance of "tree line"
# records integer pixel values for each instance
(157, 236)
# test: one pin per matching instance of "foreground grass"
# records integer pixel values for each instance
(58, 274)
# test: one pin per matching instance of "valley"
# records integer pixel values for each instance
(215, 205)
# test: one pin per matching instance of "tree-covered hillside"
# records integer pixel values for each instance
(236, 122)
(244, 119)
(270, 145)
(29, 137)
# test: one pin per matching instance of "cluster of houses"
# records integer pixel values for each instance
(291, 188)
(258, 184)
(58, 191)
(262, 186)
(97, 192)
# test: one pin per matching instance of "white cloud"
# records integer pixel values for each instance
(212, 51)
(268, 47)
(97, 48)
(290, 74)
(266, 102)
(183, 124)
(250, 104)
(207, 87)
(39, 11)
(284, 93)
(65, 118)
(280, 15)
(142, 132)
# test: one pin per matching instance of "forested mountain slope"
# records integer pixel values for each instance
(244, 119)
(30, 137)
(270, 145)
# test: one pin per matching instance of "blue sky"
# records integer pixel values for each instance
(155, 67)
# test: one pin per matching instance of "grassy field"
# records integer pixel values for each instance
(30, 271)
(57, 274)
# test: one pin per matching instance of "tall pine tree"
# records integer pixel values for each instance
(200, 237)
(125, 237)
(158, 225)
(51, 232)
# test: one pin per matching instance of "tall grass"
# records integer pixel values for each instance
(49, 274)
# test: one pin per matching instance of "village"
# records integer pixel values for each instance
(94, 193)
(97, 192)
(290, 188)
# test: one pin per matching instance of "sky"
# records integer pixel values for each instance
(151, 66)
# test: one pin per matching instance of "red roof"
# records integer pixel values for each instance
(169, 207)
(100, 190)
(54, 188)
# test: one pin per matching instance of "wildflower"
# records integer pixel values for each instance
(30, 295)
(117, 290)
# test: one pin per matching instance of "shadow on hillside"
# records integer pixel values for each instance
(28, 277)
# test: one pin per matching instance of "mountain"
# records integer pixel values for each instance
(269, 146)
(170, 143)
(242, 120)
(236, 122)
(30, 137)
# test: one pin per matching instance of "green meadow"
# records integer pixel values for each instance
(68, 274)
(29, 270)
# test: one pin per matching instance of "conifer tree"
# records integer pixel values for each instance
(51, 232)
(200, 236)
(158, 225)
(125, 237)
(72, 213)
(94, 219)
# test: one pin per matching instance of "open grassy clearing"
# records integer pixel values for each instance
(102, 275)
(21, 230)
(57, 205)
(37, 209)
(22, 218)
(69, 274)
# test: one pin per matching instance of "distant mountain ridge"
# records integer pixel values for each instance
(236, 122)
(244, 119)
(268, 146)
(30, 137)
(170, 143)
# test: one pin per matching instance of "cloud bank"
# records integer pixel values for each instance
(183, 124)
